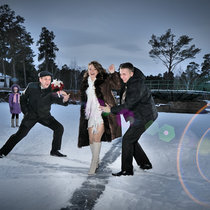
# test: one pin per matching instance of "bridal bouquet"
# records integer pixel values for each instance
(57, 86)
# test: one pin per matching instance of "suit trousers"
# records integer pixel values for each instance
(26, 125)
(131, 148)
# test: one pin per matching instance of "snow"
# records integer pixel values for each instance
(178, 146)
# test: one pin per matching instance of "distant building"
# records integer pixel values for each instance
(2, 77)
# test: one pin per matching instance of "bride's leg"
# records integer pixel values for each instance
(96, 147)
(90, 133)
(97, 136)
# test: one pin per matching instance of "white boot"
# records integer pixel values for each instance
(13, 123)
(91, 148)
(95, 158)
(98, 158)
(17, 122)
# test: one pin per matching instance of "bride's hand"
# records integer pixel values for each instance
(112, 68)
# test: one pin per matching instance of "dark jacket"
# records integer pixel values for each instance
(14, 105)
(139, 105)
(104, 83)
(37, 102)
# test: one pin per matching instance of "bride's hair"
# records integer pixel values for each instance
(97, 66)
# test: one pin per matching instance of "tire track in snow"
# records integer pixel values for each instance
(87, 195)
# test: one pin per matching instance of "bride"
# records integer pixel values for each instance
(95, 126)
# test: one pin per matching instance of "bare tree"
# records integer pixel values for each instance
(172, 52)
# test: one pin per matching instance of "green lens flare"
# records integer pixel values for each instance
(166, 133)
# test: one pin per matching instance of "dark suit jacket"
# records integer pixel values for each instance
(37, 102)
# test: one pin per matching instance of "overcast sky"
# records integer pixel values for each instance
(115, 31)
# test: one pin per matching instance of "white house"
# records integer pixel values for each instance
(2, 78)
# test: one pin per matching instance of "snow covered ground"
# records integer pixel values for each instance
(178, 146)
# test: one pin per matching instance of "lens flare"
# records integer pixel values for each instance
(205, 151)
(178, 160)
(166, 133)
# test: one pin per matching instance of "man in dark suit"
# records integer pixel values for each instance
(138, 107)
(36, 103)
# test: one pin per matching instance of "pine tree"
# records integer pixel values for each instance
(47, 49)
(205, 70)
(15, 41)
(191, 76)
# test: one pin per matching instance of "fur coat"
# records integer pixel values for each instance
(104, 84)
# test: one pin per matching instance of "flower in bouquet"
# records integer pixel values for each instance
(57, 86)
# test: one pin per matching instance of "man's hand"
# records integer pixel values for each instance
(112, 68)
(106, 109)
(65, 96)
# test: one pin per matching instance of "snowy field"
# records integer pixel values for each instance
(178, 146)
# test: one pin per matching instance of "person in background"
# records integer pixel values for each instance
(138, 107)
(36, 103)
(14, 105)
(96, 89)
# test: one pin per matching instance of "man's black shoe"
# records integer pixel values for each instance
(2, 155)
(123, 173)
(57, 153)
(146, 166)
